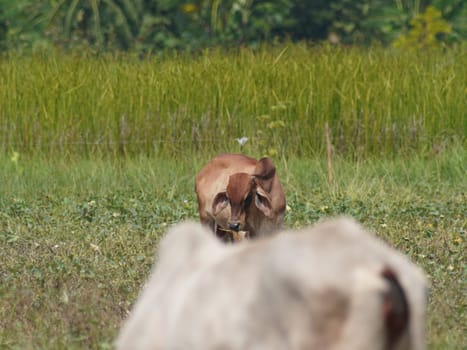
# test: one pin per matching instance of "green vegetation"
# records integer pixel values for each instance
(377, 102)
(426, 28)
(146, 25)
(78, 237)
(99, 153)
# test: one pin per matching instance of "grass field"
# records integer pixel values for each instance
(98, 156)
(377, 102)
(78, 237)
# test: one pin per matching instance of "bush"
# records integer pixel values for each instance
(426, 31)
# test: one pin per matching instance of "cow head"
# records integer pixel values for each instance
(247, 193)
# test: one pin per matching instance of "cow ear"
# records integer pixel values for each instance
(264, 173)
(395, 307)
(220, 202)
(263, 202)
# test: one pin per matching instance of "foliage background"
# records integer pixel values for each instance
(148, 25)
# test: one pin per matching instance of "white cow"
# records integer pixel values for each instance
(333, 286)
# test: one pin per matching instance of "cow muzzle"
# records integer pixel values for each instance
(231, 236)
(234, 226)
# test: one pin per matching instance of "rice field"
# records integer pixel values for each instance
(376, 101)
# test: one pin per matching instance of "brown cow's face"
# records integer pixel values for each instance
(242, 195)
(240, 191)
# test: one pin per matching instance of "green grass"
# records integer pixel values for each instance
(376, 101)
(99, 154)
(78, 237)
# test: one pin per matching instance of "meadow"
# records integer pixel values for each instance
(99, 155)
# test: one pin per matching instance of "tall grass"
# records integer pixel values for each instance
(376, 101)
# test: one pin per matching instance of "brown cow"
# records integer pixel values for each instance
(240, 197)
(334, 286)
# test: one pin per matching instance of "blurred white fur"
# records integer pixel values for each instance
(315, 288)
